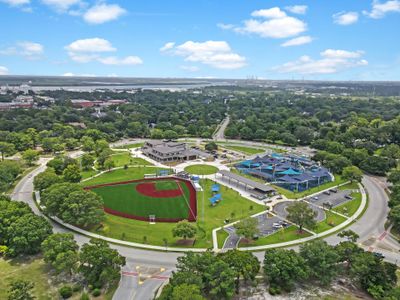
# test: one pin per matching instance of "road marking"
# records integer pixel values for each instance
(127, 273)
(383, 235)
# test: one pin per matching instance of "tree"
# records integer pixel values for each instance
(82, 208)
(186, 292)
(109, 164)
(283, 268)
(394, 216)
(247, 228)
(30, 156)
(375, 165)
(21, 290)
(61, 251)
(88, 144)
(211, 146)
(72, 204)
(304, 135)
(101, 145)
(221, 280)
(352, 173)
(99, 264)
(321, 260)
(157, 134)
(350, 235)
(87, 161)
(6, 149)
(373, 274)
(245, 265)
(394, 176)
(301, 214)
(72, 174)
(184, 229)
(26, 234)
(46, 179)
(170, 135)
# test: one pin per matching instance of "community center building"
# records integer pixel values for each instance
(168, 151)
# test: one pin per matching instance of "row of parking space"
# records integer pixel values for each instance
(331, 198)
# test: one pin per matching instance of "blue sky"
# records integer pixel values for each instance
(335, 40)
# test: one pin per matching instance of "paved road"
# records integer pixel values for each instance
(280, 210)
(220, 134)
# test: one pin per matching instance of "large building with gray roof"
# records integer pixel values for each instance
(168, 151)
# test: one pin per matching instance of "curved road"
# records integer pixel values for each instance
(146, 270)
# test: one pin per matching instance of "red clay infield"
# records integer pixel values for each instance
(149, 189)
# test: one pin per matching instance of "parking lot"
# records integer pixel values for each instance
(267, 224)
(332, 198)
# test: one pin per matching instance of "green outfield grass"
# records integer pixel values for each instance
(122, 175)
(125, 198)
(201, 169)
(232, 207)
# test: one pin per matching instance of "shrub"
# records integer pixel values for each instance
(65, 292)
(85, 296)
(96, 293)
(274, 290)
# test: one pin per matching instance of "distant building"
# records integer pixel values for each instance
(167, 151)
(83, 103)
(14, 105)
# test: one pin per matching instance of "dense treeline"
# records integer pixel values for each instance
(210, 276)
(361, 132)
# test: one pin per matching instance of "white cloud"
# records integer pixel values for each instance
(297, 9)
(88, 50)
(167, 46)
(101, 13)
(272, 23)
(225, 26)
(331, 61)
(3, 70)
(301, 40)
(61, 5)
(217, 54)
(270, 13)
(345, 18)
(379, 9)
(69, 74)
(190, 68)
(90, 45)
(112, 60)
(29, 50)
(16, 2)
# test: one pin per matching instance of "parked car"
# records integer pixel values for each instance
(315, 198)
(333, 190)
(348, 197)
(327, 193)
(378, 255)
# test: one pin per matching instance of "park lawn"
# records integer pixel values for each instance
(222, 235)
(244, 149)
(122, 175)
(130, 146)
(232, 207)
(31, 269)
(284, 235)
(125, 158)
(331, 218)
(296, 195)
(88, 173)
(350, 207)
(124, 198)
(201, 169)
(349, 186)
